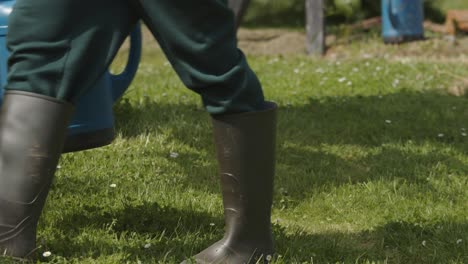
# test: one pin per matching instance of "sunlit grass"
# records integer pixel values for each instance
(372, 168)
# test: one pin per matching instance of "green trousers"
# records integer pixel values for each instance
(59, 48)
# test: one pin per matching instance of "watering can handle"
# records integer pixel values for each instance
(121, 81)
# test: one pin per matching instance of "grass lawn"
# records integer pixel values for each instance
(372, 166)
(452, 4)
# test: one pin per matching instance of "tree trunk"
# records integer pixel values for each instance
(239, 7)
(315, 27)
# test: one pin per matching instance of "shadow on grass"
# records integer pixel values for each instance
(307, 136)
(402, 135)
(181, 234)
(395, 242)
(340, 141)
(169, 230)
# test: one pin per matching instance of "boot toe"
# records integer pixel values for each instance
(223, 253)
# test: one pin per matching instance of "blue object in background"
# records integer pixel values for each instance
(402, 20)
(5, 10)
(93, 122)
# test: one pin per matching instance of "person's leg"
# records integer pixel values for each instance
(199, 40)
(58, 48)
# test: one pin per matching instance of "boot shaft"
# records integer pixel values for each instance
(32, 131)
(245, 147)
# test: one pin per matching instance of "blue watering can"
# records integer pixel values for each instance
(5, 10)
(93, 122)
(402, 21)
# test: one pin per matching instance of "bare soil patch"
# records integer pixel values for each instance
(282, 42)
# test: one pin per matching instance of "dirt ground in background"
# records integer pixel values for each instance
(283, 42)
(287, 42)
(261, 41)
(436, 48)
(271, 42)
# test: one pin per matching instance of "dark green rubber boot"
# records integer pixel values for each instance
(245, 145)
(32, 131)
